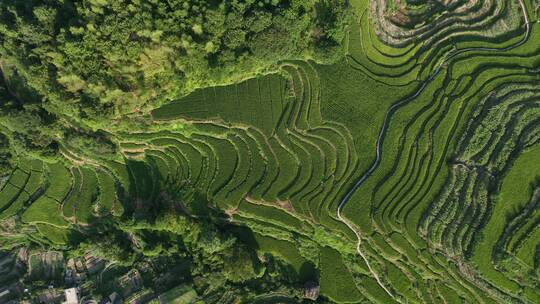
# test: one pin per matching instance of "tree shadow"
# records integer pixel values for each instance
(308, 272)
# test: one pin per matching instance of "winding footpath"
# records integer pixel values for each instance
(384, 127)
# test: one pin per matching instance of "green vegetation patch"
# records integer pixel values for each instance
(258, 102)
(514, 194)
(35, 182)
(45, 210)
(108, 201)
(84, 206)
(337, 283)
(15, 206)
(59, 181)
(57, 235)
(351, 97)
(183, 294)
(304, 270)
(18, 178)
(7, 195)
(270, 213)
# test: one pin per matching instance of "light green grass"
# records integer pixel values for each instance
(84, 207)
(59, 181)
(18, 178)
(107, 191)
(8, 194)
(44, 210)
(15, 206)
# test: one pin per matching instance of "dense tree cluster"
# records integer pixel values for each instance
(85, 65)
(212, 254)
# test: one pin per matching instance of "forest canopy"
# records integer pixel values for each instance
(97, 61)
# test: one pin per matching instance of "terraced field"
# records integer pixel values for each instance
(406, 172)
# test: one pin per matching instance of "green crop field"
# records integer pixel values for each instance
(270, 151)
(336, 280)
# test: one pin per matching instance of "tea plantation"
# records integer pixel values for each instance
(393, 158)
